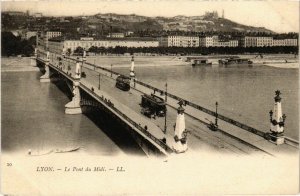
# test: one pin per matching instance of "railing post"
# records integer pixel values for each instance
(132, 73)
(277, 120)
(73, 107)
(180, 138)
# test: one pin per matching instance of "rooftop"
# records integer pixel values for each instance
(61, 38)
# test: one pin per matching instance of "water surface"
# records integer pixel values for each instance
(243, 93)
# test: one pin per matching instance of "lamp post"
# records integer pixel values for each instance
(99, 81)
(111, 70)
(165, 127)
(216, 120)
(95, 63)
(166, 92)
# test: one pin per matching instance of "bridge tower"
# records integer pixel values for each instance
(73, 107)
(180, 138)
(46, 76)
(277, 120)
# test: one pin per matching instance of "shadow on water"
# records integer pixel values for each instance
(115, 131)
(110, 126)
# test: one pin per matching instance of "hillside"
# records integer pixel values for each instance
(207, 22)
(99, 25)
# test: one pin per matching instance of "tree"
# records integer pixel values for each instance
(69, 51)
(79, 50)
(12, 45)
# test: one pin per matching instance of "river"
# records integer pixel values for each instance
(32, 117)
(32, 113)
(243, 93)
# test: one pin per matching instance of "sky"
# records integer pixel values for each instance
(277, 15)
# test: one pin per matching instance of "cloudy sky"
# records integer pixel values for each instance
(277, 15)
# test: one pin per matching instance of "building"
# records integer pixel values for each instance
(15, 13)
(230, 43)
(264, 41)
(56, 45)
(116, 35)
(51, 34)
(179, 41)
(213, 41)
(30, 34)
(291, 42)
(86, 38)
(206, 41)
(233, 43)
(209, 41)
(38, 15)
(140, 43)
(285, 42)
(43, 39)
(129, 33)
(251, 41)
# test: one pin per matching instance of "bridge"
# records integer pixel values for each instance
(94, 86)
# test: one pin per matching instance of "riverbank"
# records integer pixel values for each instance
(18, 64)
(292, 65)
(141, 61)
(274, 60)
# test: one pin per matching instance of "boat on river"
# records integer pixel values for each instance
(235, 61)
(201, 62)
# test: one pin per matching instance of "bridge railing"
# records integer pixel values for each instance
(132, 122)
(205, 110)
(189, 103)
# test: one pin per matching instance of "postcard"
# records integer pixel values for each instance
(150, 97)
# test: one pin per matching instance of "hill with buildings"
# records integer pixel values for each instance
(100, 25)
(209, 22)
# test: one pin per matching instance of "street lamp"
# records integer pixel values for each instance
(216, 120)
(165, 127)
(95, 63)
(99, 81)
(111, 70)
(166, 92)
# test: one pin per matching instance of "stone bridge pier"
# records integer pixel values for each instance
(46, 76)
(73, 107)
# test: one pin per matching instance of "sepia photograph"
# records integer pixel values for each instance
(150, 97)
